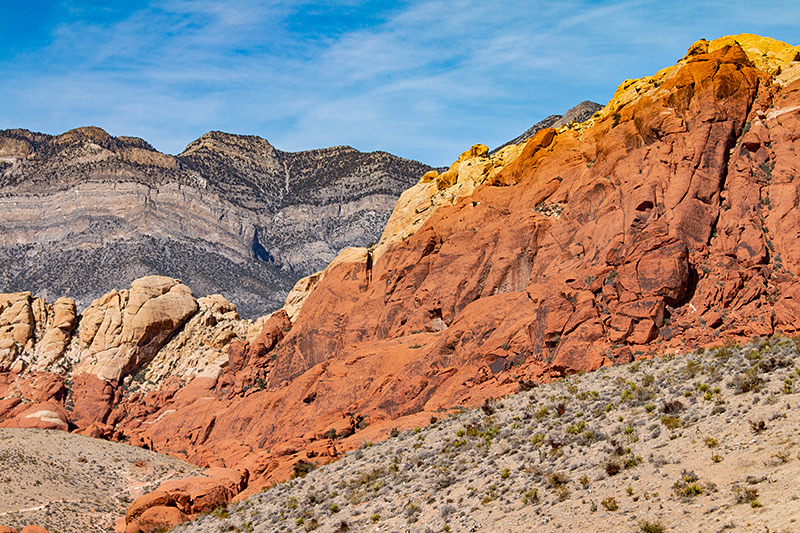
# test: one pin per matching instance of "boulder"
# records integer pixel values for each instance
(143, 503)
(45, 415)
(159, 518)
(125, 331)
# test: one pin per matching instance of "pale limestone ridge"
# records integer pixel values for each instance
(85, 211)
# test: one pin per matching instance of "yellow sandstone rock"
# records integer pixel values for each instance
(472, 168)
(774, 57)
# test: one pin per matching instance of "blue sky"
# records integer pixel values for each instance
(421, 79)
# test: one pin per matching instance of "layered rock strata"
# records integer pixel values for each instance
(85, 212)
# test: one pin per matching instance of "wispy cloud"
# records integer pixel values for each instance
(421, 79)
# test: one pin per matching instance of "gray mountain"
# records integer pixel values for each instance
(579, 113)
(85, 212)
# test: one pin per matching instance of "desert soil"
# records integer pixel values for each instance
(702, 442)
(70, 483)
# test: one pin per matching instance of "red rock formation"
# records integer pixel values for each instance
(157, 518)
(176, 501)
(33, 529)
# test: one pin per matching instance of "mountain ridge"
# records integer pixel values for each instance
(272, 216)
(578, 113)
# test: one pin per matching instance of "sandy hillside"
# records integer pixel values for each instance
(70, 483)
(700, 442)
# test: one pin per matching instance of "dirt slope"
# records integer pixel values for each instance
(704, 442)
(71, 483)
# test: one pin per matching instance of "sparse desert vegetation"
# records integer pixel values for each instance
(706, 440)
(70, 483)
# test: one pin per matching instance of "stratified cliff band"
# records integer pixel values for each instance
(85, 213)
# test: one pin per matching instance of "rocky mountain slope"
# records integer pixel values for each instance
(85, 212)
(705, 441)
(666, 221)
(579, 113)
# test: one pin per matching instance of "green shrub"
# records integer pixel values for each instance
(651, 527)
(302, 467)
(610, 503)
(671, 422)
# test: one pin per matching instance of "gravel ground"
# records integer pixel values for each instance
(70, 483)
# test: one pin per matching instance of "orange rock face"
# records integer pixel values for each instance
(670, 220)
(157, 518)
(33, 529)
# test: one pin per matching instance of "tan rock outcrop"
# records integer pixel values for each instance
(124, 331)
(17, 325)
(58, 334)
(201, 345)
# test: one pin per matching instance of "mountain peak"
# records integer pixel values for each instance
(91, 134)
(579, 113)
(228, 143)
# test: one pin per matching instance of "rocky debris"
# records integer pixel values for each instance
(231, 214)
